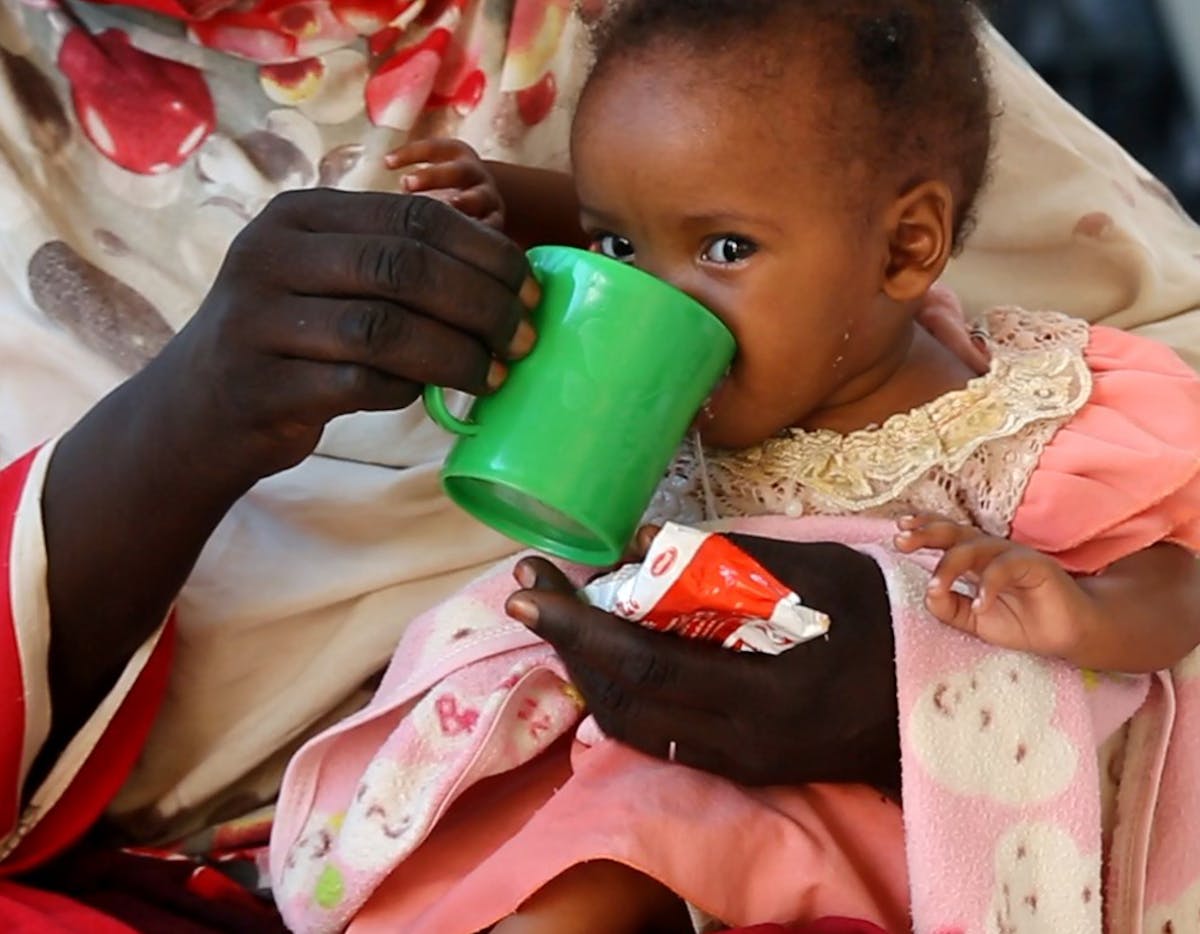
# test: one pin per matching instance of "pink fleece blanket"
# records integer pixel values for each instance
(459, 791)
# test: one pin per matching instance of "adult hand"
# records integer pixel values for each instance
(335, 302)
(822, 711)
(327, 303)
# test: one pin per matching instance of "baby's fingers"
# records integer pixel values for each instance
(970, 558)
(637, 549)
(482, 203)
(441, 149)
(925, 531)
(444, 175)
(1011, 571)
(951, 608)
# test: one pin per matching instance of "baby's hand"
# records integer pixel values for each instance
(1024, 599)
(451, 171)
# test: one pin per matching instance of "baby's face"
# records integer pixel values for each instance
(740, 204)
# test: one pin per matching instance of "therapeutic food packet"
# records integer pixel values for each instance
(702, 586)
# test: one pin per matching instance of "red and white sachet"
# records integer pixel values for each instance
(702, 586)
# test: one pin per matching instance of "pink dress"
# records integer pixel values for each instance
(458, 792)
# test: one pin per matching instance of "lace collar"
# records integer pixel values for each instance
(1037, 372)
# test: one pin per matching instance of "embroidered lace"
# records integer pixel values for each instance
(967, 455)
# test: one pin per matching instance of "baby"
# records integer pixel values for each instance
(806, 169)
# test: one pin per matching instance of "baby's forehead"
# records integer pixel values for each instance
(768, 109)
(658, 142)
(897, 84)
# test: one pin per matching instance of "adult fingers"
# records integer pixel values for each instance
(833, 578)
(1047, 626)
(415, 275)
(999, 625)
(741, 741)
(653, 665)
(706, 739)
(541, 574)
(379, 335)
(381, 214)
(666, 731)
(947, 325)
(589, 637)
(302, 392)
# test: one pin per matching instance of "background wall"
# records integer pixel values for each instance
(1133, 66)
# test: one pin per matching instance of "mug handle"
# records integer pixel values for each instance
(435, 405)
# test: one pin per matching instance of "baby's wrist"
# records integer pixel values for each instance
(1094, 629)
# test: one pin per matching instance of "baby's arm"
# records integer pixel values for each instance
(1149, 606)
(530, 205)
(1140, 614)
(600, 897)
(542, 207)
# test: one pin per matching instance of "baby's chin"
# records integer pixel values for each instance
(729, 419)
(725, 430)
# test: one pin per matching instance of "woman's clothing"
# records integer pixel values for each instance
(131, 157)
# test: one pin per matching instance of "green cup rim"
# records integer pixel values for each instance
(605, 553)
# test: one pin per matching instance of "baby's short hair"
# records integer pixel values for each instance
(919, 63)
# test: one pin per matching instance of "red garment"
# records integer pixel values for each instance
(114, 755)
(12, 713)
(820, 926)
(32, 911)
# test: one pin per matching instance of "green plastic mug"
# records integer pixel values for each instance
(566, 455)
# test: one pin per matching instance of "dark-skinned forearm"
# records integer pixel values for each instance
(540, 205)
(125, 517)
(327, 303)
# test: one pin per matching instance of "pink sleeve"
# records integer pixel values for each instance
(1124, 473)
(34, 827)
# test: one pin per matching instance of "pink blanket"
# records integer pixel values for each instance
(459, 791)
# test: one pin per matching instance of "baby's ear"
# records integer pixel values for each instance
(920, 227)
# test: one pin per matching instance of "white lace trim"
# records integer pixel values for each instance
(967, 454)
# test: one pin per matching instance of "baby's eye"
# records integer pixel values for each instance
(729, 249)
(613, 246)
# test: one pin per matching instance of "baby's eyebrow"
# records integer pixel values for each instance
(727, 218)
(591, 217)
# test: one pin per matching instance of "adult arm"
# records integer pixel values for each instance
(328, 303)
